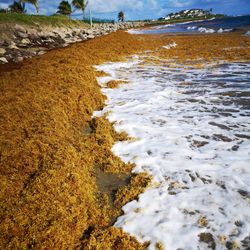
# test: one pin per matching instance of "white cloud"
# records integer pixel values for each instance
(134, 9)
(153, 4)
(115, 5)
(4, 5)
(179, 3)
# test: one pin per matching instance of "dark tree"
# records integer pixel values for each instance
(64, 8)
(121, 16)
(81, 5)
(17, 7)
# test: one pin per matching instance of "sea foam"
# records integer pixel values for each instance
(193, 137)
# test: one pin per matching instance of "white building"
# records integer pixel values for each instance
(187, 14)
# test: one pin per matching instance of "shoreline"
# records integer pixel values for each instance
(21, 41)
(50, 146)
(49, 140)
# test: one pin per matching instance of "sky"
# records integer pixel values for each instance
(144, 9)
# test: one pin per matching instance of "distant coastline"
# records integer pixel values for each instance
(228, 24)
(191, 14)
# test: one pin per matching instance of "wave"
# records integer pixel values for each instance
(192, 28)
(208, 30)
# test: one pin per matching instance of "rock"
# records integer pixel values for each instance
(31, 31)
(3, 60)
(12, 46)
(43, 35)
(84, 32)
(68, 35)
(76, 32)
(25, 41)
(6, 43)
(89, 32)
(19, 28)
(82, 36)
(48, 40)
(60, 35)
(32, 51)
(41, 52)
(72, 40)
(18, 59)
(208, 239)
(90, 36)
(51, 35)
(2, 51)
(33, 36)
(21, 34)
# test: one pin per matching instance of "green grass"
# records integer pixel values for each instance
(55, 20)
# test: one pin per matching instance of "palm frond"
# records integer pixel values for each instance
(34, 2)
(64, 8)
(80, 4)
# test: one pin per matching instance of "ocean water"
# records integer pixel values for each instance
(193, 136)
(206, 26)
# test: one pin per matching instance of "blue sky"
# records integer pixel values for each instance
(146, 9)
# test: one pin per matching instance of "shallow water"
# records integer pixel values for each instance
(193, 131)
(204, 26)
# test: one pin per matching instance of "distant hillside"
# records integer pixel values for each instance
(190, 14)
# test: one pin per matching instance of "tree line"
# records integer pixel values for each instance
(64, 8)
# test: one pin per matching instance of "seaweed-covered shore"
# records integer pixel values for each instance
(52, 152)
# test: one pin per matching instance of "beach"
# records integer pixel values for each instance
(55, 154)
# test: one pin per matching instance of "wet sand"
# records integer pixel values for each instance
(54, 155)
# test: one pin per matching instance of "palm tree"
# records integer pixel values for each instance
(34, 2)
(80, 4)
(17, 7)
(64, 8)
(121, 16)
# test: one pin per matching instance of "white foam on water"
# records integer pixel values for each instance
(224, 30)
(134, 32)
(192, 127)
(248, 33)
(164, 26)
(192, 27)
(206, 30)
(110, 71)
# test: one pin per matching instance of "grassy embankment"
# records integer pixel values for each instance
(25, 19)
